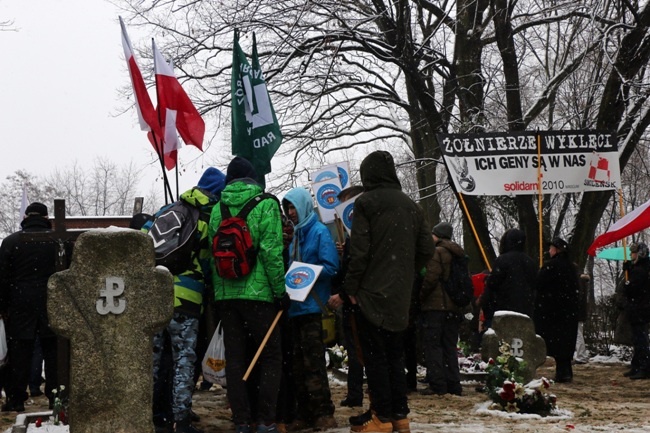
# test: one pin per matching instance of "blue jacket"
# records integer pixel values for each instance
(313, 244)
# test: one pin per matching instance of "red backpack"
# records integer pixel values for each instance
(232, 246)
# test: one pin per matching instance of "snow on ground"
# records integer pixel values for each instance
(528, 426)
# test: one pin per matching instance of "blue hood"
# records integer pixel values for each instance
(212, 181)
(301, 199)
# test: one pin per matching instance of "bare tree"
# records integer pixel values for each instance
(345, 73)
(102, 189)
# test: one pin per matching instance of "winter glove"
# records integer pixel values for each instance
(627, 265)
(282, 303)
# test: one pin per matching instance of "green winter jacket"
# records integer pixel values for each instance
(266, 281)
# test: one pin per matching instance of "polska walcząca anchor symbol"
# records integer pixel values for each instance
(517, 344)
(106, 302)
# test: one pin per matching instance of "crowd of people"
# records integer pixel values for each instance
(386, 278)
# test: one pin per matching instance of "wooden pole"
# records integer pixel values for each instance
(259, 350)
(622, 212)
(471, 224)
(340, 231)
(540, 199)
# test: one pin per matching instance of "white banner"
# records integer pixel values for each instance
(507, 163)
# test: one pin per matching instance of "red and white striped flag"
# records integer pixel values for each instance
(176, 108)
(634, 222)
(146, 112)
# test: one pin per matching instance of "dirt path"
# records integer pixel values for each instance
(600, 399)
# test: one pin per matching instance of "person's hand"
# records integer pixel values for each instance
(627, 265)
(340, 246)
(335, 301)
(283, 303)
(353, 299)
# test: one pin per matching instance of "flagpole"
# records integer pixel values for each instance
(159, 146)
(622, 212)
(540, 198)
(177, 195)
(167, 189)
(471, 225)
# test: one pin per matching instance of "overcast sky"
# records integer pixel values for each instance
(61, 72)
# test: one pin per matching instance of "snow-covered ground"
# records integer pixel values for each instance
(562, 421)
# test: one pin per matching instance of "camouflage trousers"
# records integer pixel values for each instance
(183, 332)
(313, 394)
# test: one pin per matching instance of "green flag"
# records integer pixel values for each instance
(256, 133)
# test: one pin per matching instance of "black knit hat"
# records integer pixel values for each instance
(640, 248)
(240, 168)
(36, 209)
(443, 230)
(560, 244)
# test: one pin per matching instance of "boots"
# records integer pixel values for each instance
(185, 426)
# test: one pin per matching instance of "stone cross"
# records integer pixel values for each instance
(109, 304)
(517, 330)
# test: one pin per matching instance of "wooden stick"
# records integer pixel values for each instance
(540, 199)
(259, 350)
(340, 230)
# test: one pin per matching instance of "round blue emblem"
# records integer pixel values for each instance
(327, 196)
(348, 213)
(299, 277)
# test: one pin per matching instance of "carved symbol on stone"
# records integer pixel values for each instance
(114, 288)
(517, 344)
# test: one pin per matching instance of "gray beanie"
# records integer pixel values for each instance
(443, 230)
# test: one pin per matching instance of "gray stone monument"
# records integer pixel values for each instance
(109, 304)
(517, 330)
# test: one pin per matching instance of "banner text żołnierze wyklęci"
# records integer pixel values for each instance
(509, 163)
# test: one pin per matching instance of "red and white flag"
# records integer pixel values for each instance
(634, 222)
(147, 114)
(176, 108)
(146, 111)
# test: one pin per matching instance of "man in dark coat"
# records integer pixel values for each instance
(390, 241)
(511, 284)
(25, 267)
(556, 309)
(637, 307)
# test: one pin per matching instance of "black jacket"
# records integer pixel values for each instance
(25, 268)
(556, 309)
(511, 284)
(637, 292)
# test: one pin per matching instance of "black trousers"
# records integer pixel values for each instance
(20, 363)
(244, 321)
(383, 356)
(439, 338)
(355, 369)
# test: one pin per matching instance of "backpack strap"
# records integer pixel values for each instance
(225, 212)
(250, 204)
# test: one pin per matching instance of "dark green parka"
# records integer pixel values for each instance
(390, 240)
